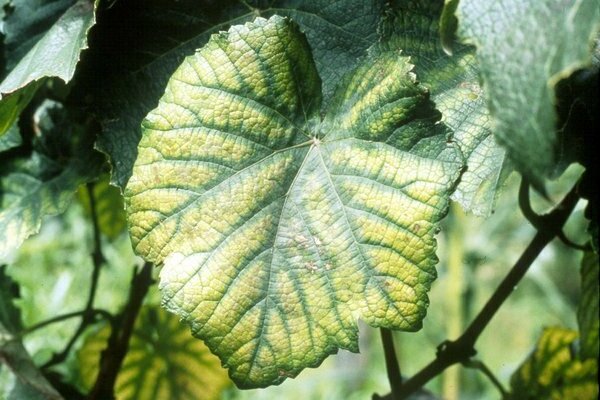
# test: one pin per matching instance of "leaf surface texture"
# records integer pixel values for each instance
(279, 227)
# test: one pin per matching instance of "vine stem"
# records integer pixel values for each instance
(479, 365)
(59, 318)
(391, 362)
(88, 314)
(97, 256)
(118, 343)
(462, 349)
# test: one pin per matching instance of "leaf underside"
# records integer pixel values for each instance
(413, 29)
(277, 227)
(521, 60)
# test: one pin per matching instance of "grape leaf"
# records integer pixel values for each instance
(12, 104)
(277, 227)
(43, 182)
(587, 312)
(12, 138)
(57, 52)
(521, 60)
(54, 53)
(174, 30)
(24, 23)
(452, 80)
(552, 371)
(10, 318)
(163, 361)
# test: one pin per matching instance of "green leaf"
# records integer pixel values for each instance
(163, 361)
(524, 49)
(10, 318)
(57, 52)
(453, 83)
(339, 34)
(43, 182)
(12, 138)
(587, 312)
(110, 209)
(24, 23)
(54, 54)
(12, 105)
(448, 25)
(552, 372)
(27, 381)
(278, 228)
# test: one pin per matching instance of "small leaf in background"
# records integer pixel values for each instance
(413, 29)
(448, 25)
(55, 53)
(339, 34)
(521, 59)
(163, 362)
(11, 139)
(110, 210)
(277, 229)
(43, 183)
(25, 381)
(587, 312)
(12, 105)
(554, 372)
(10, 318)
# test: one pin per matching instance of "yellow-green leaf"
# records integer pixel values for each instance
(279, 228)
(553, 371)
(163, 361)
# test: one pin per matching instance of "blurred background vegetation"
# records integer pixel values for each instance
(53, 270)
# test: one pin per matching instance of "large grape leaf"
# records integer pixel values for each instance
(588, 310)
(524, 49)
(339, 33)
(278, 228)
(163, 361)
(53, 53)
(552, 372)
(413, 28)
(43, 181)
